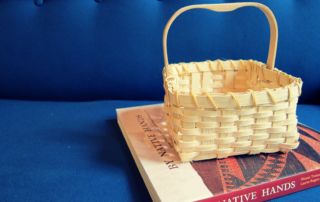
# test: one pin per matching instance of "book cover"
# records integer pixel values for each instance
(234, 179)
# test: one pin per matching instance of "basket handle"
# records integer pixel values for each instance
(225, 8)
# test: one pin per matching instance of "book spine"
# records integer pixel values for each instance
(271, 190)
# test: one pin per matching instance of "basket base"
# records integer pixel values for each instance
(200, 156)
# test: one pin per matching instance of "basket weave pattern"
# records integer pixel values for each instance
(217, 109)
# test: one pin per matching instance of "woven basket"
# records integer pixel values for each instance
(217, 109)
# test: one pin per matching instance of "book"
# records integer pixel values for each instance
(235, 179)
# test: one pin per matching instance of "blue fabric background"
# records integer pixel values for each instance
(74, 151)
(83, 50)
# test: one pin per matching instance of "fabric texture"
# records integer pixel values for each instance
(74, 151)
(83, 50)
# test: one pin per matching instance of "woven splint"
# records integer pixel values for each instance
(217, 109)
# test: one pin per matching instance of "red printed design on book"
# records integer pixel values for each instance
(240, 172)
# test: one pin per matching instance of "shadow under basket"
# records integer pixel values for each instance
(217, 109)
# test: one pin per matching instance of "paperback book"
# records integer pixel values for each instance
(234, 179)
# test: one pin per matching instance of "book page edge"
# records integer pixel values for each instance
(143, 173)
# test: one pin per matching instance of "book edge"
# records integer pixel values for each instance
(306, 126)
(118, 110)
(143, 173)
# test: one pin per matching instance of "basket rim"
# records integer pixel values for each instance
(294, 81)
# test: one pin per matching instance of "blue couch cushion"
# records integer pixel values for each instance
(83, 50)
(74, 151)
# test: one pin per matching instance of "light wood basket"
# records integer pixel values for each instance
(217, 109)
